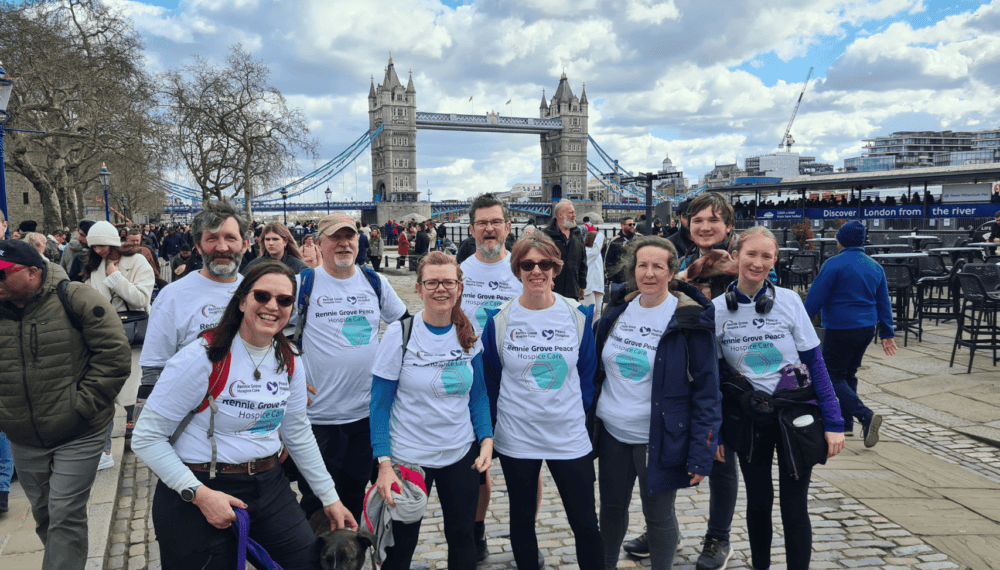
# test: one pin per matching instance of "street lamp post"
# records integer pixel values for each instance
(6, 86)
(284, 204)
(328, 194)
(105, 177)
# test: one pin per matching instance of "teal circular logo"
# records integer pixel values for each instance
(633, 363)
(762, 358)
(455, 379)
(357, 330)
(548, 371)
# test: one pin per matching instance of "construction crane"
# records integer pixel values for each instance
(787, 140)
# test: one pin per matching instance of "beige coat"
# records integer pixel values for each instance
(130, 288)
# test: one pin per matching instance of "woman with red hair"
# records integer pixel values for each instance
(429, 409)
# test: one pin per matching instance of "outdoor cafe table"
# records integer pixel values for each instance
(887, 247)
(956, 252)
(918, 239)
(904, 258)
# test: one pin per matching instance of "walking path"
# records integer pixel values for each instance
(926, 497)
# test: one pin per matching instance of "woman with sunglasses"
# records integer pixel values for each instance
(226, 456)
(429, 409)
(538, 352)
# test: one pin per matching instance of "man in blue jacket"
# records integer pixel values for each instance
(851, 291)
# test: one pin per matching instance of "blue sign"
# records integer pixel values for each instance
(832, 213)
(893, 211)
(980, 210)
(785, 214)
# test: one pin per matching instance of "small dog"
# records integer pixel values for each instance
(715, 262)
(341, 549)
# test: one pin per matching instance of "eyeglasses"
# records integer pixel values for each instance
(264, 297)
(483, 223)
(544, 265)
(432, 285)
(9, 270)
(631, 224)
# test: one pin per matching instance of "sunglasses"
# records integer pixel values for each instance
(9, 270)
(264, 297)
(544, 265)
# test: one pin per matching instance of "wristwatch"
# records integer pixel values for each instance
(384, 458)
(188, 494)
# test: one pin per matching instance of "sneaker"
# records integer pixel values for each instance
(870, 430)
(107, 461)
(715, 555)
(482, 550)
(638, 546)
(848, 433)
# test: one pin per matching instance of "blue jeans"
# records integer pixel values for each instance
(843, 351)
(723, 486)
(6, 464)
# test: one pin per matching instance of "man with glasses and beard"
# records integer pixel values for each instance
(196, 302)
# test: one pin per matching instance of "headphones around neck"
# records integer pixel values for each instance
(763, 305)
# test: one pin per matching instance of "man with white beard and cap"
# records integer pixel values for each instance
(337, 316)
(195, 303)
(563, 231)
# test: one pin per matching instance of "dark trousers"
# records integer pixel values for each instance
(458, 490)
(843, 351)
(760, 500)
(723, 488)
(376, 261)
(400, 261)
(347, 453)
(276, 522)
(575, 480)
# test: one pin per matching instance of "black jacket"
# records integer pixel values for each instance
(613, 255)
(422, 244)
(682, 241)
(573, 276)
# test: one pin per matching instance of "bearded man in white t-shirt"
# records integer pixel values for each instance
(489, 283)
(339, 343)
(190, 305)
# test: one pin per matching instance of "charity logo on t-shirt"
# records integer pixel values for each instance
(486, 286)
(758, 345)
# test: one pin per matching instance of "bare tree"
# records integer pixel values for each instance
(80, 80)
(234, 132)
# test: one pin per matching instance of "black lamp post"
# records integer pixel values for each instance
(105, 177)
(6, 86)
(284, 204)
(124, 210)
(328, 194)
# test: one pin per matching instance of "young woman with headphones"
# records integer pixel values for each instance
(765, 337)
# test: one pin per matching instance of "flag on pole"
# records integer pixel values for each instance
(508, 101)
(470, 98)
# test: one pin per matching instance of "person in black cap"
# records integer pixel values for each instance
(852, 292)
(55, 407)
(27, 226)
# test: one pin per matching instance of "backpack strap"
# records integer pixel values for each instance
(407, 324)
(74, 318)
(305, 290)
(374, 281)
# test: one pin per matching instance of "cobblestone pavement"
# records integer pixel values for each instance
(847, 532)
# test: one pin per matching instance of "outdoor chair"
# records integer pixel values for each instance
(932, 266)
(977, 318)
(938, 298)
(803, 268)
(992, 259)
(900, 282)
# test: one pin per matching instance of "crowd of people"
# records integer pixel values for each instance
(667, 354)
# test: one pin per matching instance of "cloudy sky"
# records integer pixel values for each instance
(703, 81)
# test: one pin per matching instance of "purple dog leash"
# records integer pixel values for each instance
(242, 530)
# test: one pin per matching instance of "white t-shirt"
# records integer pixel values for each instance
(628, 357)
(431, 424)
(759, 346)
(250, 411)
(339, 343)
(487, 286)
(181, 311)
(540, 409)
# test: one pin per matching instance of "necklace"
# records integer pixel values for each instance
(250, 350)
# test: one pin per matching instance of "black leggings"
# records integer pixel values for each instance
(276, 522)
(458, 491)
(575, 480)
(760, 500)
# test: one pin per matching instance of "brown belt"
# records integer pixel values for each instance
(250, 467)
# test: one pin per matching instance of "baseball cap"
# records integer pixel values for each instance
(329, 225)
(16, 252)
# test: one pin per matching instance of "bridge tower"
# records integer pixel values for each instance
(394, 152)
(564, 153)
